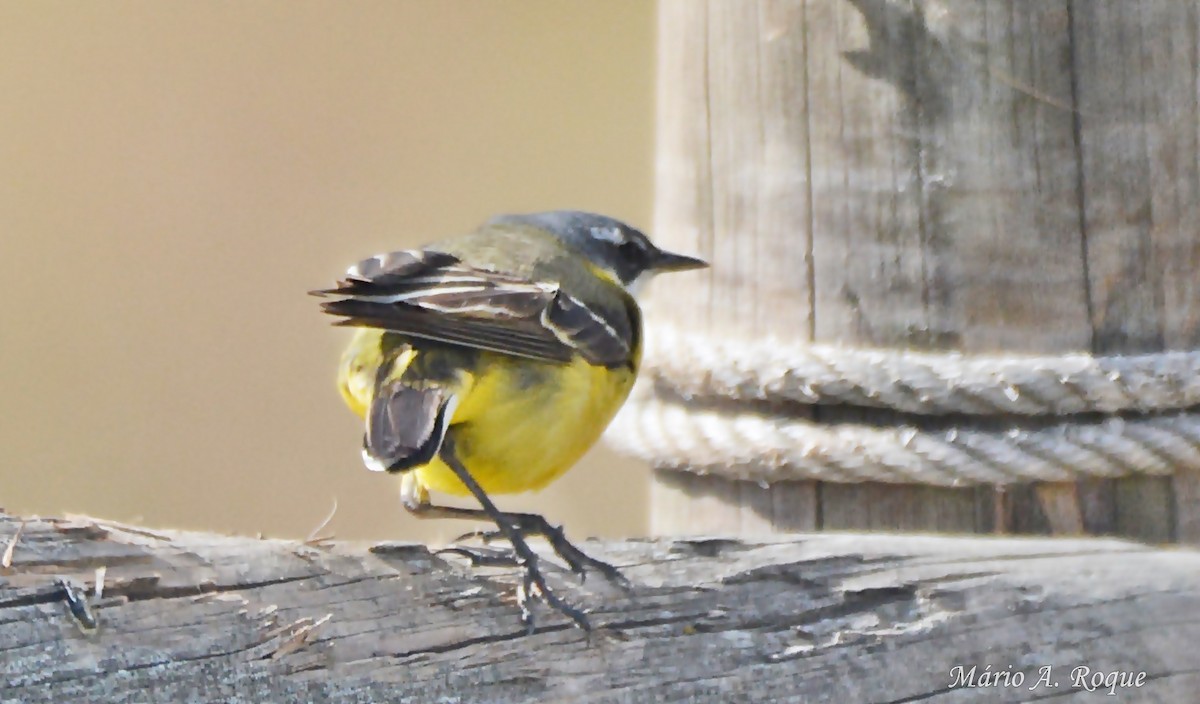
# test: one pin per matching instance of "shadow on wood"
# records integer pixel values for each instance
(845, 617)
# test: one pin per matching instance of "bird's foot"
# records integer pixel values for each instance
(533, 583)
(483, 557)
(580, 562)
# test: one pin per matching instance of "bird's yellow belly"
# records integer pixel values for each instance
(525, 423)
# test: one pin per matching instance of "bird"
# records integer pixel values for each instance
(490, 362)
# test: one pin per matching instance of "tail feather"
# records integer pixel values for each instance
(405, 426)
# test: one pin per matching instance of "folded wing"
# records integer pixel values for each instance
(433, 295)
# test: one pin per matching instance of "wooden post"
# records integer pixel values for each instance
(991, 176)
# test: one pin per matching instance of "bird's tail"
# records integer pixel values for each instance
(407, 419)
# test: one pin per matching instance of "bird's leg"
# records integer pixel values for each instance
(578, 560)
(416, 500)
(533, 583)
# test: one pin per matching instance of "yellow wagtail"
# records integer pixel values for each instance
(490, 362)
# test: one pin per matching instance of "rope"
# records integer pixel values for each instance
(699, 408)
(921, 382)
(765, 448)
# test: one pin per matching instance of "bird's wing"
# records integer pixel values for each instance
(434, 295)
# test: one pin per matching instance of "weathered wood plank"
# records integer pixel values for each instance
(1144, 509)
(683, 213)
(833, 617)
(1187, 506)
(1061, 506)
(726, 506)
(996, 165)
(732, 184)
(876, 506)
(1113, 86)
(757, 150)
(869, 273)
(1171, 37)
(1137, 116)
(1098, 503)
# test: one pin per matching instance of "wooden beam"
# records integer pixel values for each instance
(841, 617)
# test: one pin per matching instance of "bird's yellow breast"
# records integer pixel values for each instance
(523, 423)
(518, 424)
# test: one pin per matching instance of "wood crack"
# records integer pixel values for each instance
(698, 622)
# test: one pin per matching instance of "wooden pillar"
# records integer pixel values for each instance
(982, 177)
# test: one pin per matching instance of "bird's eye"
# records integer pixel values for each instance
(632, 250)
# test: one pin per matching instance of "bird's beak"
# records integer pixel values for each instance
(669, 261)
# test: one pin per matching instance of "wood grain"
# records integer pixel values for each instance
(732, 184)
(846, 618)
(979, 176)
(1135, 73)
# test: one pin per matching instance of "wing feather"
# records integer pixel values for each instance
(435, 296)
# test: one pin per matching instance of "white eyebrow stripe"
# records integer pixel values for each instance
(609, 234)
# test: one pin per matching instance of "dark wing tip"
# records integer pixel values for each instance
(346, 287)
(346, 308)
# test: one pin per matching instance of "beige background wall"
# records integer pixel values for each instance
(175, 176)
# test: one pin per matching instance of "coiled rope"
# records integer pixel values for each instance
(700, 405)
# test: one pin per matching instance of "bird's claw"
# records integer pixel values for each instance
(533, 584)
(578, 560)
(483, 536)
(479, 557)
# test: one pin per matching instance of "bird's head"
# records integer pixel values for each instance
(622, 251)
